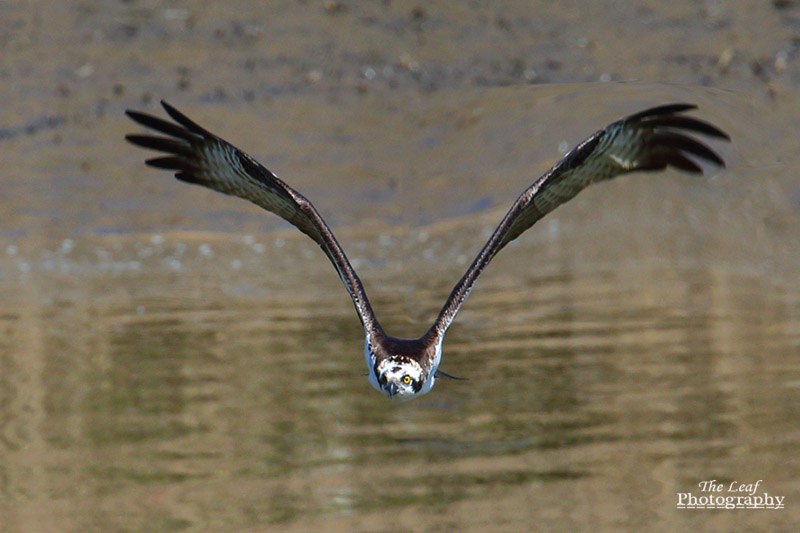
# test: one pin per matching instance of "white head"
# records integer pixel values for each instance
(399, 378)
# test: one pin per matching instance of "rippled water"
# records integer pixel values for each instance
(228, 391)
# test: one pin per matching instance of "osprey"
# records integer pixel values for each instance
(404, 369)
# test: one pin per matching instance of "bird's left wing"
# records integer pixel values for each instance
(649, 140)
(200, 157)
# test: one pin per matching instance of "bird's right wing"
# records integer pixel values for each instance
(200, 157)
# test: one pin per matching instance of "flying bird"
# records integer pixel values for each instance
(403, 369)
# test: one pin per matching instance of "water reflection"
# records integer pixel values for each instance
(243, 410)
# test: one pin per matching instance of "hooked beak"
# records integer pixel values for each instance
(392, 388)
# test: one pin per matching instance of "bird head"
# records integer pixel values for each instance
(400, 378)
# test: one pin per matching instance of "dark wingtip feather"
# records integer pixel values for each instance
(184, 121)
(168, 163)
(681, 162)
(161, 144)
(665, 131)
(137, 116)
(687, 123)
(687, 144)
(188, 177)
(161, 125)
(144, 119)
(666, 109)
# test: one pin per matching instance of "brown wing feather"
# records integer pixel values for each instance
(652, 139)
(202, 158)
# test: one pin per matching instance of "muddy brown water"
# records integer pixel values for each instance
(172, 359)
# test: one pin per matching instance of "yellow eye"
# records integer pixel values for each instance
(406, 379)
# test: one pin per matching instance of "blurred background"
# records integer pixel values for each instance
(173, 359)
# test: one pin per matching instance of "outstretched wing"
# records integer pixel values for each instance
(650, 140)
(200, 157)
